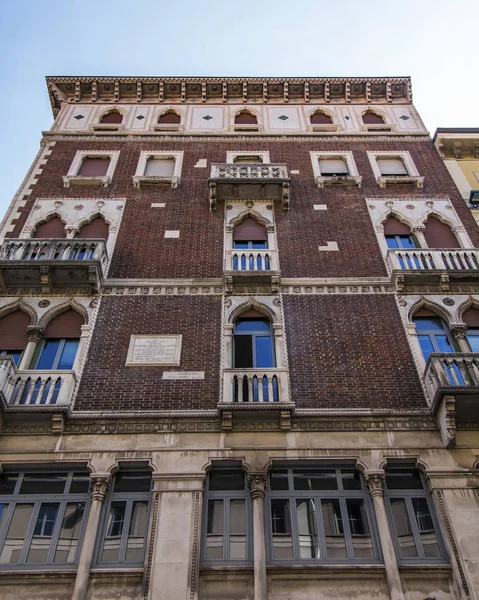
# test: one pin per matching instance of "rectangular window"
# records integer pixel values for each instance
(392, 166)
(158, 167)
(333, 166)
(94, 167)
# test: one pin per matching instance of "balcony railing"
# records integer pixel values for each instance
(255, 385)
(53, 263)
(428, 266)
(251, 267)
(452, 373)
(249, 181)
(35, 388)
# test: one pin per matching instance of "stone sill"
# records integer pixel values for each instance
(101, 180)
(324, 180)
(139, 180)
(385, 180)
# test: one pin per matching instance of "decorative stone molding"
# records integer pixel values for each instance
(383, 180)
(322, 179)
(446, 420)
(458, 331)
(257, 484)
(99, 485)
(140, 178)
(375, 483)
(34, 334)
(73, 178)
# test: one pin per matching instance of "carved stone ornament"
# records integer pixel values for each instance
(58, 203)
(458, 332)
(375, 483)
(34, 334)
(99, 485)
(257, 484)
(418, 229)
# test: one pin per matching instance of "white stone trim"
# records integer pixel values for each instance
(330, 247)
(405, 157)
(173, 234)
(348, 158)
(139, 177)
(231, 155)
(72, 176)
(175, 361)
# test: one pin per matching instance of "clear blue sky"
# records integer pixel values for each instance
(434, 41)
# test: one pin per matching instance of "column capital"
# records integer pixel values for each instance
(375, 483)
(34, 333)
(257, 484)
(418, 229)
(99, 485)
(458, 331)
(71, 232)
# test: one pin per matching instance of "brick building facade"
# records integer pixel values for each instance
(238, 334)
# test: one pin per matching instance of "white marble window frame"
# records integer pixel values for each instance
(81, 155)
(231, 155)
(145, 155)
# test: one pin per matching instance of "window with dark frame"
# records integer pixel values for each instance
(227, 517)
(253, 343)
(125, 519)
(42, 518)
(432, 333)
(414, 525)
(320, 514)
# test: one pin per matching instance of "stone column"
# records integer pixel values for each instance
(459, 332)
(34, 336)
(172, 572)
(99, 488)
(257, 484)
(85, 332)
(375, 483)
(418, 233)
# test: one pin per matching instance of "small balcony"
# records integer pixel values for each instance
(249, 182)
(427, 266)
(457, 375)
(250, 266)
(256, 386)
(51, 264)
(31, 388)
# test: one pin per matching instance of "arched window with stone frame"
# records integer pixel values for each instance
(13, 334)
(111, 117)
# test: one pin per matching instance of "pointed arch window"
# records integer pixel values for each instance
(53, 228)
(61, 338)
(13, 334)
(439, 234)
(245, 118)
(253, 342)
(432, 333)
(112, 117)
(320, 118)
(372, 118)
(169, 118)
(471, 319)
(398, 235)
(96, 228)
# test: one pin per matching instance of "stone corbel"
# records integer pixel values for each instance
(285, 195)
(212, 194)
(227, 420)
(446, 420)
(444, 283)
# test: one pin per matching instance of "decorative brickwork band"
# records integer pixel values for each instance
(375, 483)
(257, 484)
(99, 485)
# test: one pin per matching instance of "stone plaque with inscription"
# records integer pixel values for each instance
(156, 350)
(183, 375)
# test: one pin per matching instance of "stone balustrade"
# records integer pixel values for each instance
(54, 249)
(249, 171)
(255, 385)
(417, 259)
(251, 260)
(452, 372)
(35, 388)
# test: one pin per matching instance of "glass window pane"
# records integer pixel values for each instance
(308, 534)
(407, 545)
(281, 528)
(259, 245)
(69, 533)
(80, 483)
(137, 533)
(473, 340)
(264, 351)
(426, 528)
(351, 480)
(426, 345)
(68, 354)
(428, 324)
(247, 325)
(241, 245)
(132, 481)
(443, 343)
(403, 479)
(226, 481)
(17, 529)
(42, 533)
(8, 483)
(333, 529)
(243, 351)
(392, 241)
(43, 483)
(358, 525)
(114, 530)
(315, 480)
(214, 530)
(48, 354)
(3, 511)
(279, 480)
(406, 241)
(238, 529)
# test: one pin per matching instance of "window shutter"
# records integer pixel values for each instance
(371, 118)
(245, 118)
(92, 167)
(391, 166)
(248, 230)
(320, 118)
(333, 166)
(13, 330)
(66, 325)
(112, 117)
(159, 167)
(439, 235)
(169, 118)
(53, 228)
(394, 227)
(97, 228)
(470, 317)
(255, 160)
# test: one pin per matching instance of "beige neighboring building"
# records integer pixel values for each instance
(459, 148)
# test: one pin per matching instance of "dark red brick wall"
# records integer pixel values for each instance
(107, 384)
(142, 251)
(349, 352)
